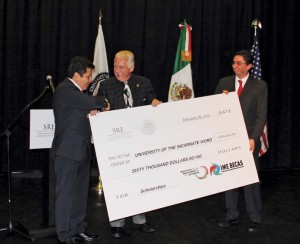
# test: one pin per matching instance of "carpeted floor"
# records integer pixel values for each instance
(191, 222)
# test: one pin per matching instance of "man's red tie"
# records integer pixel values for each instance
(240, 87)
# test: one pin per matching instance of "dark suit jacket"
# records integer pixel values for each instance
(254, 103)
(72, 128)
(140, 87)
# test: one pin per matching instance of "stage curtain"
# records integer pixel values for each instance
(39, 37)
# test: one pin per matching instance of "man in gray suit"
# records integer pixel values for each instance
(253, 96)
(70, 150)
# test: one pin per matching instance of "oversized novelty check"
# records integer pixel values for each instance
(151, 158)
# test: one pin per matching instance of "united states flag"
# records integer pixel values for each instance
(256, 69)
(256, 73)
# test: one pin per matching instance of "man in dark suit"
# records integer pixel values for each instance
(253, 96)
(127, 90)
(70, 150)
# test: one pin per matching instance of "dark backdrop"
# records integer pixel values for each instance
(39, 37)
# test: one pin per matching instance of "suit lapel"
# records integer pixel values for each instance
(232, 84)
(133, 87)
(247, 86)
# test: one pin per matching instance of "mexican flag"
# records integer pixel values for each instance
(181, 86)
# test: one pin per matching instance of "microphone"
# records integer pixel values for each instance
(49, 79)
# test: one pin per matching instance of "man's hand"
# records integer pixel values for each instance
(252, 145)
(155, 102)
(226, 92)
(93, 112)
(108, 106)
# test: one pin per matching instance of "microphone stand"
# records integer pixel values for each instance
(19, 228)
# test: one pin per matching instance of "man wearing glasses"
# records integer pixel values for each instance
(253, 97)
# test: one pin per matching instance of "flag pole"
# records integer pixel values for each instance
(99, 185)
(101, 68)
(256, 72)
(100, 16)
(256, 24)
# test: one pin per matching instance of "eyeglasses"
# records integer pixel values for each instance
(237, 63)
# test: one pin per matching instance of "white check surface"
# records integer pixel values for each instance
(151, 158)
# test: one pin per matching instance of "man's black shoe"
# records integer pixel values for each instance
(144, 228)
(254, 226)
(118, 232)
(228, 222)
(84, 237)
